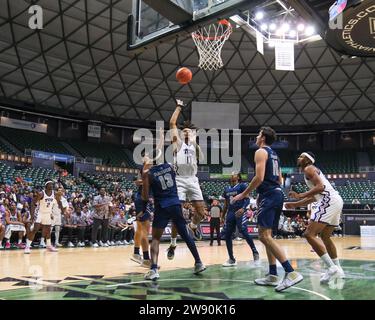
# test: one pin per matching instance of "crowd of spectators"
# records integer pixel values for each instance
(82, 222)
(100, 218)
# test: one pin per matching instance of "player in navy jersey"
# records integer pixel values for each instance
(161, 180)
(267, 181)
(235, 216)
(143, 211)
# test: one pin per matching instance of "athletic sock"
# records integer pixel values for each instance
(146, 255)
(174, 242)
(136, 250)
(327, 260)
(48, 242)
(336, 262)
(154, 267)
(19, 241)
(8, 241)
(287, 267)
(273, 269)
(28, 243)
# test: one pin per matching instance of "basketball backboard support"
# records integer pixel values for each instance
(157, 21)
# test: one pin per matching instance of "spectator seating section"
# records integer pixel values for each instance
(23, 140)
(111, 154)
(37, 176)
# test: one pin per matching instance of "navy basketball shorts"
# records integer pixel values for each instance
(270, 207)
(141, 206)
(163, 215)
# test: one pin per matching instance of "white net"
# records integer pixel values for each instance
(209, 41)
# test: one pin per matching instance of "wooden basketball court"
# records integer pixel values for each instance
(108, 273)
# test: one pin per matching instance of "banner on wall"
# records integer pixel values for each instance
(94, 131)
(23, 125)
(53, 156)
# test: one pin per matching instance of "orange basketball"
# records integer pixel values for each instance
(184, 75)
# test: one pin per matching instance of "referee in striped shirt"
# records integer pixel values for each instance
(215, 214)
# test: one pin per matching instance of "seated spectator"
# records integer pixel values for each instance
(287, 229)
(81, 223)
(26, 217)
(2, 225)
(299, 227)
(69, 224)
(115, 234)
(14, 223)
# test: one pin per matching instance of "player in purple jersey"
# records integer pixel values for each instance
(267, 181)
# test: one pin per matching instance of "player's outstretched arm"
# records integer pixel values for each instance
(173, 123)
(145, 182)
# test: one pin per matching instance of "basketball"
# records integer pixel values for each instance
(184, 75)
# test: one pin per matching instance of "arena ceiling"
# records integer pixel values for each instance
(79, 64)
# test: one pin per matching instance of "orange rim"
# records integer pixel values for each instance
(223, 22)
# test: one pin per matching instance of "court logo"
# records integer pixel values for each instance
(36, 278)
(36, 20)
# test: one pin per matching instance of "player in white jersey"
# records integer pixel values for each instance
(41, 213)
(186, 155)
(58, 209)
(326, 208)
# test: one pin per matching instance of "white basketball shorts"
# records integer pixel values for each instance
(188, 188)
(44, 219)
(328, 210)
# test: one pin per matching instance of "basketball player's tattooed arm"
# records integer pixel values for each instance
(260, 160)
(311, 174)
(199, 152)
(146, 181)
(173, 126)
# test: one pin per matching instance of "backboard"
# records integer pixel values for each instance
(156, 21)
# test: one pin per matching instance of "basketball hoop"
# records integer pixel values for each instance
(209, 41)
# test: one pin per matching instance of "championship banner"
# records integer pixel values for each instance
(284, 56)
(23, 125)
(94, 131)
